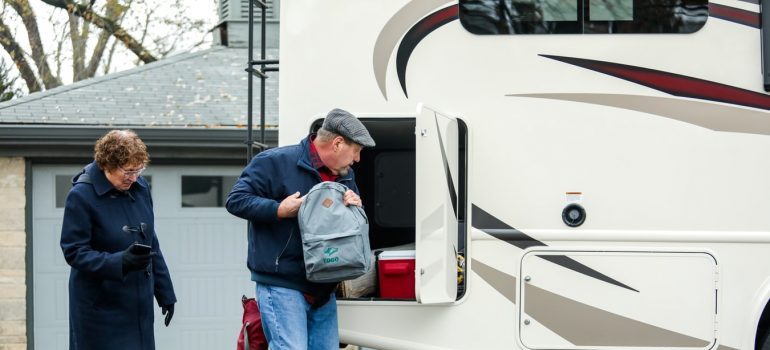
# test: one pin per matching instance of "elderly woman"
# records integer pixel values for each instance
(107, 218)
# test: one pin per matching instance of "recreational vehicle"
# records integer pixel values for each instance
(571, 174)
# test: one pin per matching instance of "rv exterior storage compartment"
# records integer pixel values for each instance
(396, 274)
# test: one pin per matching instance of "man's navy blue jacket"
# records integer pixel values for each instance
(109, 309)
(275, 246)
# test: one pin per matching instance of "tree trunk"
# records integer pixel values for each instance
(78, 48)
(108, 64)
(17, 55)
(24, 10)
(57, 57)
(114, 11)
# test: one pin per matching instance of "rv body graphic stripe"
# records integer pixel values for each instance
(563, 260)
(418, 32)
(723, 347)
(701, 113)
(674, 84)
(449, 182)
(391, 33)
(733, 14)
(502, 282)
(386, 40)
(568, 318)
(500, 230)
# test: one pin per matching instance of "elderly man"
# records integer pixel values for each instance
(296, 313)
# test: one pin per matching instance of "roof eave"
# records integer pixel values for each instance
(165, 144)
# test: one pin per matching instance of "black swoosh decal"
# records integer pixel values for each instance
(500, 230)
(450, 183)
(418, 32)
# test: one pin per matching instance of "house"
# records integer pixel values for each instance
(191, 111)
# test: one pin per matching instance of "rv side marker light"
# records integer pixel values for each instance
(573, 215)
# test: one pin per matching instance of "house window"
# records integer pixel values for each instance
(206, 191)
(63, 186)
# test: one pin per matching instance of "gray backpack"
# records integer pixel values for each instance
(335, 237)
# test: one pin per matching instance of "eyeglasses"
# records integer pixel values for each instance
(129, 173)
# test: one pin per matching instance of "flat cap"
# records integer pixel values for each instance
(343, 123)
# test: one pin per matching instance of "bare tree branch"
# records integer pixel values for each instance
(8, 89)
(114, 11)
(202, 41)
(17, 55)
(146, 26)
(108, 64)
(60, 38)
(24, 10)
(105, 24)
(78, 48)
(96, 55)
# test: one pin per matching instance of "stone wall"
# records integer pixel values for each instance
(13, 317)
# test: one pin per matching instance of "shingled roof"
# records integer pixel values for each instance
(193, 90)
(190, 106)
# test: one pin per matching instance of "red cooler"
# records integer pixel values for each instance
(396, 274)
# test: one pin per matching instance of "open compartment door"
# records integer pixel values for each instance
(436, 223)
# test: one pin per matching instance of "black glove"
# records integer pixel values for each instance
(167, 310)
(133, 261)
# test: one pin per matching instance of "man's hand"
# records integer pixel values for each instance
(351, 198)
(289, 207)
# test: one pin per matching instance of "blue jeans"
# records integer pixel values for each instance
(290, 323)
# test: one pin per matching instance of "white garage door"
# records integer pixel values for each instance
(205, 248)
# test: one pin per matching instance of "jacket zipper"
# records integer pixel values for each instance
(291, 233)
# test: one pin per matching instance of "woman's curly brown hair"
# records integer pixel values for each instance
(119, 148)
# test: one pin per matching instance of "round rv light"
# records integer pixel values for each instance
(573, 215)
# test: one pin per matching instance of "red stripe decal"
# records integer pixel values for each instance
(734, 15)
(675, 84)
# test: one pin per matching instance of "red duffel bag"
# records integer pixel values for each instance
(252, 335)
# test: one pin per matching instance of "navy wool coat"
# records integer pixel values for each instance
(109, 309)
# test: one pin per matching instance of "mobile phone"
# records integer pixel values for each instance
(140, 249)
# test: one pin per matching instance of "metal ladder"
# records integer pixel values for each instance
(263, 66)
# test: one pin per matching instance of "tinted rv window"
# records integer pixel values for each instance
(582, 16)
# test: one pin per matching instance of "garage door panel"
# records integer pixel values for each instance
(55, 339)
(45, 189)
(47, 252)
(203, 244)
(50, 281)
(195, 338)
(51, 300)
(196, 289)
